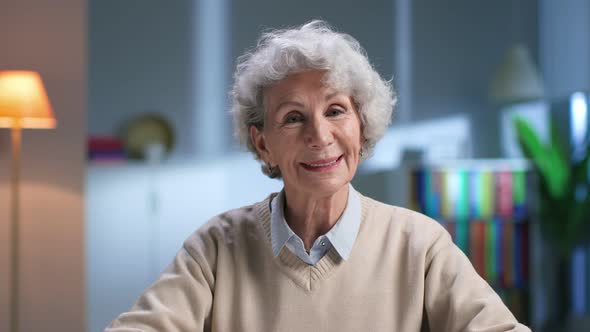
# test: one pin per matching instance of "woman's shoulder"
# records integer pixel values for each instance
(397, 219)
(397, 213)
(226, 228)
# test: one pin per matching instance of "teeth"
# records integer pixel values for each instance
(323, 165)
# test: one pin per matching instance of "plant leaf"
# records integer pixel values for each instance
(560, 167)
(549, 160)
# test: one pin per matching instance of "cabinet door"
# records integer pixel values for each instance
(187, 196)
(117, 240)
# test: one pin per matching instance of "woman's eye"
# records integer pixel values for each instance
(293, 118)
(334, 111)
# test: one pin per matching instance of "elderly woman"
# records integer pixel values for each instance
(318, 256)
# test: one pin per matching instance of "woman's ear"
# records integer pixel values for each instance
(259, 142)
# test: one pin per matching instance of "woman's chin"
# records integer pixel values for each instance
(323, 186)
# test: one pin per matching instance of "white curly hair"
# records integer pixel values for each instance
(314, 45)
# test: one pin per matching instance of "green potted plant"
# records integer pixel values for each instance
(563, 199)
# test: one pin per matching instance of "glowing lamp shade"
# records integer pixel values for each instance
(23, 101)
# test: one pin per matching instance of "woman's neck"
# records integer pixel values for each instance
(311, 216)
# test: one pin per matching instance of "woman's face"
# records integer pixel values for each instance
(312, 133)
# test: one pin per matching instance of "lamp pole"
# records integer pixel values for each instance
(14, 299)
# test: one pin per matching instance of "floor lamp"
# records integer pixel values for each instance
(23, 104)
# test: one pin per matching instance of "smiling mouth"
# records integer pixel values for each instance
(322, 165)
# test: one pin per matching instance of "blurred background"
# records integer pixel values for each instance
(143, 153)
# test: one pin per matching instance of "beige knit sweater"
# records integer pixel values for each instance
(404, 274)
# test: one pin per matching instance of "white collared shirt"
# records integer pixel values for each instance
(341, 236)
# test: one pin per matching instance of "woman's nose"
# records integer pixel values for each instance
(318, 133)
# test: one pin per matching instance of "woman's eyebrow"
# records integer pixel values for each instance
(300, 105)
(289, 103)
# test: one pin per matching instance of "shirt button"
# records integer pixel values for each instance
(323, 244)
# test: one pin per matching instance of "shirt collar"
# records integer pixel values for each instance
(341, 236)
(280, 232)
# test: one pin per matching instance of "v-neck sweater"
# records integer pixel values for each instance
(404, 274)
(302, 273)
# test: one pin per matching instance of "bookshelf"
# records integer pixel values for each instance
(486, 207)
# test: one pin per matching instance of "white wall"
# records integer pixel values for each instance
(457, 47)
(50, 37)
(370, 22)
(141, 60)
(565, 46)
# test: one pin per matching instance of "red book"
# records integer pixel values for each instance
(482, 244)
(104, 143)
(504, 194)
(477, 246)
(507, 254)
